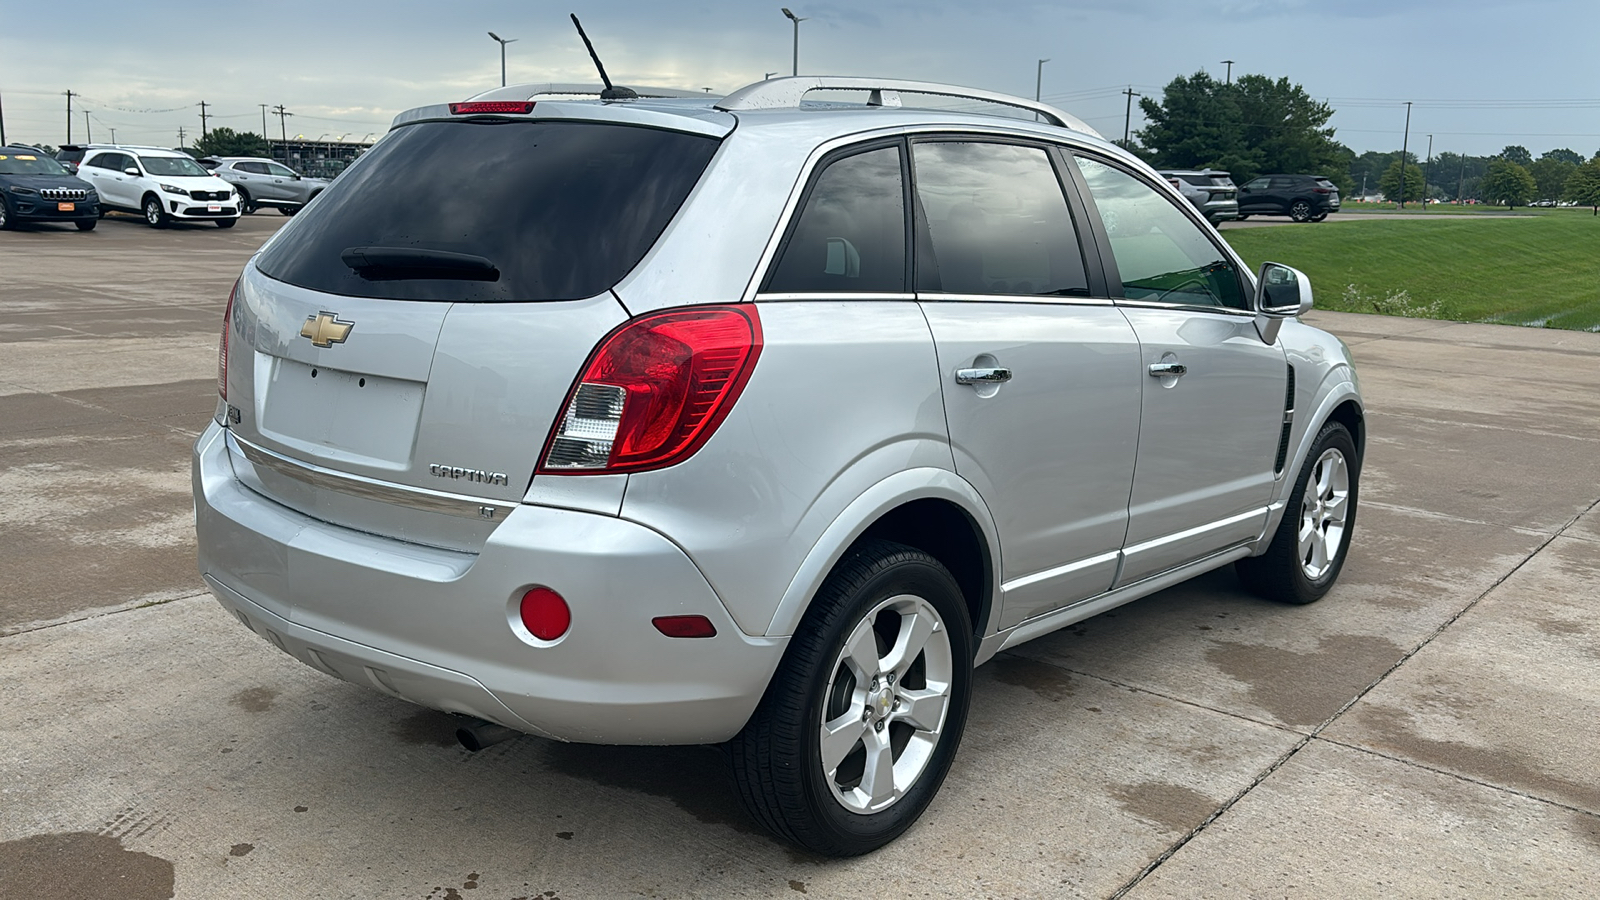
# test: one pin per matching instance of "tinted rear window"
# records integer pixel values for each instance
(562, 209)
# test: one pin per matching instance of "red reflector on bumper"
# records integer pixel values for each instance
(491, 107)
(684, 626)
(545, 614)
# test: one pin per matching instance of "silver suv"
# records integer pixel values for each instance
(1211, 192)
(262, 182)
(755, 421)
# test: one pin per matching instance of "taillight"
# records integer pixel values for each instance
(654, 391)
(222, 345)
(1174, 183)
(1321, 191)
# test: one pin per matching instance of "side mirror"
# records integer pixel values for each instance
(131, 171)
(1282, 292)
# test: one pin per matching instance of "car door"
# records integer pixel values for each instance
(1213, 392)
(1253, 196)
(1040, 370)
(114, 186)
(285, 183)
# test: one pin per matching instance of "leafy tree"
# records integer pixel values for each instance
(1390, 183)
(1583, 186)
(1516, 153)
(1507, 183)
(227, 142)
(1564, 155)
(1550, 176)
(1250, 127)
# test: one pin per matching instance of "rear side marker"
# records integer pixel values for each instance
(684, 626)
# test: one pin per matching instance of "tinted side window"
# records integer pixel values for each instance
(562, 209)
(1259, 184)
(251, 168)
(851, 235)
(1161, 254)
(997, 221)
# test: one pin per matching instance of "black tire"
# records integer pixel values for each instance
(777, 758)
(1319, 217)
(246, 205)
(1300, 210)
(1240, 218)
(227, 223)
(154, 215)
(87, 224)
(8, 222)
(1281, 573)
(288, 210)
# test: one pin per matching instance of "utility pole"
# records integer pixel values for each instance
(283, 132)
(203, 131)
(69, 116)
(1405, 142)
(88, 133)
(1426, 165)
(796, 20)
(2, 123)
(1127, 116)
(113, 134)
(1038, 80)
(263, 121)
(180, 137)
(1461, 186)
(1229, 64)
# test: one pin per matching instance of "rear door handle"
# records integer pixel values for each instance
(1161, 370)
(983, 376)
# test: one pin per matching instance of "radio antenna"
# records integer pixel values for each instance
(610, 93)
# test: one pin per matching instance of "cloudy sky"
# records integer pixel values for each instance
(1482, 73)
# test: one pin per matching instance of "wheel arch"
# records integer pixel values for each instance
(933, 510)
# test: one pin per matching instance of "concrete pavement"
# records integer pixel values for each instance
(1427, 730)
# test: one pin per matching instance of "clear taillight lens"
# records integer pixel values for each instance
(222, 345)
(655, 390)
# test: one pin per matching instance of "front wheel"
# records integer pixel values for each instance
(1300, 210)
(154, 215)
(1310, 545)
(227, 223)
(288, 210)
(863, 717)
(1241, 218)
(87, 224)
(7, 221)
(246, 205)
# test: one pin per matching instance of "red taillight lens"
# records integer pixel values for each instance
(655, 390)
(685, 626)
(1321, 191)
(545, 614)
(491, 107)
(222, 345)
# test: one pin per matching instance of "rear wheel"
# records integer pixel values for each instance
(1300, 210)
(1241, 218)
(87, 224)
(1319, 217)
(288, 210)
(1309, 548)
(863, 717)
(154, 215)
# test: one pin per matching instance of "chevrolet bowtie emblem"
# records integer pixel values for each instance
(326, 329)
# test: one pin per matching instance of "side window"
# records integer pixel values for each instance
(1161, 254)
(1258, 184)
(851, 235)
(997, 221)
(279, 171)
(251, 168)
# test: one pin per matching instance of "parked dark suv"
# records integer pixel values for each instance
(1304, 198)
(34, 187)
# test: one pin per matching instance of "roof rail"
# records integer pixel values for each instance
(786, 93)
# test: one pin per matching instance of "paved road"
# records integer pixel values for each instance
(1268, 221)
(1427, 730)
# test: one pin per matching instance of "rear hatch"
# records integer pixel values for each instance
(399, 351)
(1324, 186)
(1221, 186)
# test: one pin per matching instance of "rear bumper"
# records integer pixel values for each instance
(436, 627)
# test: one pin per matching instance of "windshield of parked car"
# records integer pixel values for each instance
(172, 165)
(559, 210)
(29, 164)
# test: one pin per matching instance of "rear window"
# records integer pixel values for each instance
(561, 209)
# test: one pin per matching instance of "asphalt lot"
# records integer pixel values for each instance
(1427, 730)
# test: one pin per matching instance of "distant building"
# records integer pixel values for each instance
(319, 159)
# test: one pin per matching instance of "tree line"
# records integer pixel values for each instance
(1258, 125)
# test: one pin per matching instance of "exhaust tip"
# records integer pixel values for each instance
(476, 734)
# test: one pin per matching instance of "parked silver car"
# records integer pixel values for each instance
(1212, 192)
(754, 422)
(262, 182)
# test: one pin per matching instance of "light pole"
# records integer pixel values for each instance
(1405, 143)
(1038, 80)
(1229, 64)
(796, 20)
(1425, 166)
(503, 42)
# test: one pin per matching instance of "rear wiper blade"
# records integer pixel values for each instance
(398, 263)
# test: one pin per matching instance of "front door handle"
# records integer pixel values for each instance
(983, 376)
(1161, 370)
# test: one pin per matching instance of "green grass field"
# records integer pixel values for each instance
(1539, 271)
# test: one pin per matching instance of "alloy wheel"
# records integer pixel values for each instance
(1324, 509)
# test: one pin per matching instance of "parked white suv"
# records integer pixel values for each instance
(162, 185)
(756, 422)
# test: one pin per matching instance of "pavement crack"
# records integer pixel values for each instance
(130, 606)
(1316, 732)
